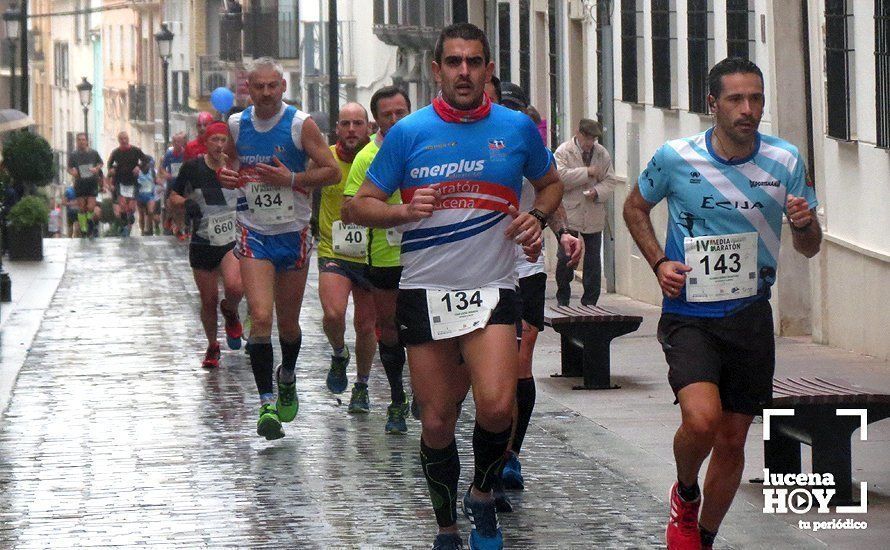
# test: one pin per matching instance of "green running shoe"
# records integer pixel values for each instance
(269, 426)
(337, 380)
(288, 403)
(358, 403)
(395, 417)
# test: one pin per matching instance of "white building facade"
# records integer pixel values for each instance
(823, 84)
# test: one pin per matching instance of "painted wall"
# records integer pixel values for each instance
(852, 179)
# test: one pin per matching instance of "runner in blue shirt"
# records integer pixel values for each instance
(275, 143)
(459, 166)
(727, 190)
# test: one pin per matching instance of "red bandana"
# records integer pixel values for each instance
(449, 114)
(347, 156)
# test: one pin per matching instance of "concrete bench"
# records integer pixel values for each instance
(585, 334)
(815, 422)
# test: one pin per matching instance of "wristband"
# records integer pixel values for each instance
(658, 263)
(542, 219)
(801, 228)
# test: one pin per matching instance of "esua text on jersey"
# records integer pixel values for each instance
(710, 196)
(478, 168)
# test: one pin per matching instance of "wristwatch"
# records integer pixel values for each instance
(540, 216)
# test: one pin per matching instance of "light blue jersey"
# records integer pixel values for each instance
(710, 196)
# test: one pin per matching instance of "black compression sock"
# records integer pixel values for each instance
(488, 454)
(441, 467)
(260, 351)
(289, 353)
(393, 359)
(688, 494)
(525, 403)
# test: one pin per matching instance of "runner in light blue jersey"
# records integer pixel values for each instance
(727, 190)
(709, 196)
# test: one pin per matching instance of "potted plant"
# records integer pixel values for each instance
(26, 221)
(28, 163)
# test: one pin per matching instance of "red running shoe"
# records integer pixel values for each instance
(211, 358)
(234, 330)
(682, 528)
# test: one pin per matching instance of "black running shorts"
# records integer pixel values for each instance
(86, 188)
(737, 353)
(385, 278)
(531, 293)
(207, 257)
(413, 319)
(354, 271)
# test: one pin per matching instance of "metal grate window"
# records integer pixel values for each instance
(740, 28)
(838, 52)
(700, 45)
(393, 12)
(664, 38)
(379, 12)
(504, 51)
(882, 70)
(525, 75)
(556, 114)
(631, 48)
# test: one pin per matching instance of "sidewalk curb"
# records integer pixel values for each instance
(34, 284)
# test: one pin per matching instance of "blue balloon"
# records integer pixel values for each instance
(222, 99)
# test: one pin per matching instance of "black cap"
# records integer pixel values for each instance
(513, 97)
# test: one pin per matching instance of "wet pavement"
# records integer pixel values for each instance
(114, 436)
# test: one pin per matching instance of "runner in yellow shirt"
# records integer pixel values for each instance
(342, 268)
(388, 105)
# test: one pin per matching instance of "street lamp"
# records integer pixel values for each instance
(85, 91)
(164, 39)
(11, 22)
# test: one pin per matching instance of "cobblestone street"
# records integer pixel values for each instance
(114, 436)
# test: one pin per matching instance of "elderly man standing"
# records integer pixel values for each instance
(585, 169)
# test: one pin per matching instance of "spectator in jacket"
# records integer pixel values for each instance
(585, 169)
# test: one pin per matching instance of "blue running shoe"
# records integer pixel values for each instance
(359, 402)
(234, 330)
(486, 533)
(512, 473)
(337, 380)
(395, 418)
(448, 541)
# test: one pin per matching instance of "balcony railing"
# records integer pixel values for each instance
(274, 34)
(415, 24)
(230, 25)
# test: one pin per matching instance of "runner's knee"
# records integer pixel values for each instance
(701, 424)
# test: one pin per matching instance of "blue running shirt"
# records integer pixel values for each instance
(709, 196)
(479, 168)
(256, 144)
